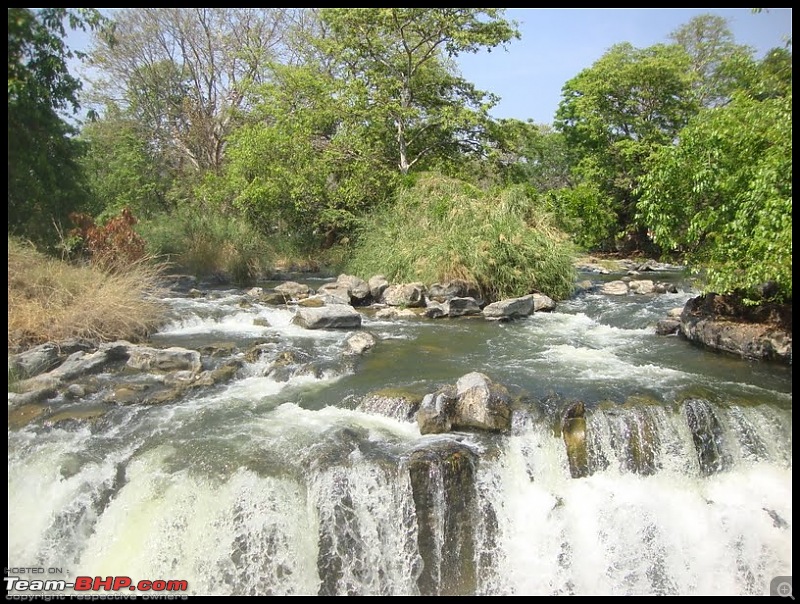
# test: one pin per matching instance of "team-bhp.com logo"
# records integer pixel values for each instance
(112, 583)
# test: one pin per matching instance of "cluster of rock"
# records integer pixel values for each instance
(334, 305)
(478, 405)
(124, 373)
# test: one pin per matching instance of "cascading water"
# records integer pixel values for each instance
(280, 482)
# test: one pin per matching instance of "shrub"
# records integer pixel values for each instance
(52, 300)
(441, 229)
(206, 243)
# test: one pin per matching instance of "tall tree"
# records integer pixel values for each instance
(614, 115)
(398, 59)
(305, 165)
(44, 181)
(719, 64)
(723, 194)
(184, 73)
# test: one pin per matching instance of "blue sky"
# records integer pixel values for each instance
(557, 44)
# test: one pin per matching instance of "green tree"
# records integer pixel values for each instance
(121, 168)
(306, 164)
(44, 181)
(720, 65)
(184, 73)
(723, 194)
(398, 61)
(613, 116)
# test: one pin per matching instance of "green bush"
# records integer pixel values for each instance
(440, 229)
(205, 243)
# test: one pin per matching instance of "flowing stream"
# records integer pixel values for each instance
(279, 483)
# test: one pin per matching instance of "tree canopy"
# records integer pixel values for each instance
(44, 181)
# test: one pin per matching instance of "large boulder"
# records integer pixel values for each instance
(727, 324)
(408, 295)
(337, 316)
(510, 308)
(453, 307)
(475, 403)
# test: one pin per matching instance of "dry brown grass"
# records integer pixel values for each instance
(52, 300)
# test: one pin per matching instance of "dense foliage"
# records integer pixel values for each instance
(242, 137)
(723, 195)
(442, 229)
(45, 182)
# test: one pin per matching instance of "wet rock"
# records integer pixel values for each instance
(22, 415)
(128, 394)
(641, 286)
(273, 298)
(256, 352)
(443, 484)
(435, 310)
(542, 303)
(510, 308)
(75, 391)
(584, 286)
(316, 301)
(290, 363)
(179, 283)
(164, 359)
(463, 307)
(457, 288)
(335, 293)
(665, 288)
(668, 327)
(293, 290)
(80, 414)
(359, 343)
(391, 402)
(220, 349)
(615, 288)
(706, 433)
(395, 313)
(435, 411)
(327, 297)
(726, 324)
(777, 521)
(220, 375)
(573, 431)
(475, 403)
(481, 404)
(339, 316)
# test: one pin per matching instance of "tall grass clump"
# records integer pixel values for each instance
(53, 300)
(208, 243)
(441, 229)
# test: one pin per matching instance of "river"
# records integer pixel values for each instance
(278, 483)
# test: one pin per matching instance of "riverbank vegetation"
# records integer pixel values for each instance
(442, 229)
(53, 300)
(249, 141)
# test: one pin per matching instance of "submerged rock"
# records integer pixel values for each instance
(573, 431)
